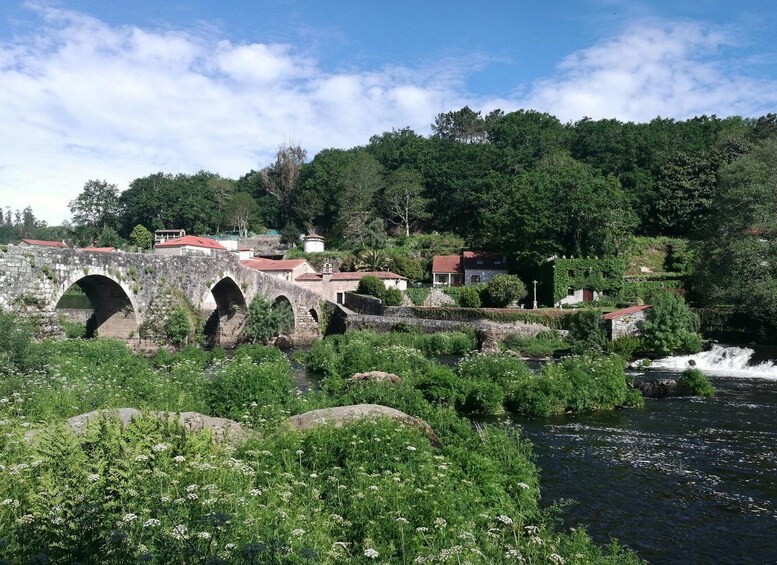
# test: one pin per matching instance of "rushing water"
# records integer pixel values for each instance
(684, 480)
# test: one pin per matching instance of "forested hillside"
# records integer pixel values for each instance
(522, 183)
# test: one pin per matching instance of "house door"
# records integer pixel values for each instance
(588, 295)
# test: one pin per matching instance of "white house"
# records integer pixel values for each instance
(333, 286)
(188, 245)
(471, 267)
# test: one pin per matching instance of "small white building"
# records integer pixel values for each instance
(313, 243)
(188, 245)
(333, 286)
(160, 236)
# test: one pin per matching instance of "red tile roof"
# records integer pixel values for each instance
(624, 312)
(484, 260)
(261, 264)
(97, 249)
(447, 264)
(309, 277)
(44, 243)
(192, 241)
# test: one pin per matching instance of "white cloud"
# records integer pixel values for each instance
(651, 69)
(81, 99)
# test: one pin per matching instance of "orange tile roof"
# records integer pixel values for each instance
(624, 312)
(309, 277)
(97, 249)
(487, 260)
(261, 264)
(447, 264)
(44, 243)
(192, 241)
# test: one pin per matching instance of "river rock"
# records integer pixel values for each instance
(342, 415)
(221, 429)
(659, 388)
(284, 342)
(377, 376)
(488, 341)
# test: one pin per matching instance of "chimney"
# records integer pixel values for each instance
(327, 272)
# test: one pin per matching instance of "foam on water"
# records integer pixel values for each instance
(721, 360)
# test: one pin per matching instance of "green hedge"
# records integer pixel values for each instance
(603, 275)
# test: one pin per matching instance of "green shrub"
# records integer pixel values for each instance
(371, 286)
(544, 344)
(481, 398)
(15, 343)
(417, 295)
(668, 325)
(72, 330)
(266, 320)
(587, 332)
(241, 383)
(695, 383)
(503, 290)
(178, 327)
(392, 297)
(625, 346)
(469, 297)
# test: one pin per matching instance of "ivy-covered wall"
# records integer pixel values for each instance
(604, 275)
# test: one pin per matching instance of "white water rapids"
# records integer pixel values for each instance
(721, 360)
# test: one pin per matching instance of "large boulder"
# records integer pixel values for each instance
(342, 415)
(437, 297)
(220, 428)
(377, 376)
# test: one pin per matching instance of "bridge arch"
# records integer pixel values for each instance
(225, 313)
(114, 313)
(282, 302)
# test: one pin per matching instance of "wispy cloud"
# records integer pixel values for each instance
(81, 99)
(653, 69)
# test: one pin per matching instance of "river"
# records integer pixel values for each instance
(684, 480)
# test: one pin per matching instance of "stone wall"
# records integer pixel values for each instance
(134, 293)
(363, 304)
(629, 324)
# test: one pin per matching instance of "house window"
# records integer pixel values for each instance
(570, 291)
(456, 280)
(479, 261)
(340, 298)
(441, 279)
(474, 279)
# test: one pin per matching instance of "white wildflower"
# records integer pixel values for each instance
(130, 517)
(151, 523)
(298, 532)
(203, 535)
(505, 519)
(410, 448)
(159, 447)
(371, 553)
(180, 532)
(179, 458)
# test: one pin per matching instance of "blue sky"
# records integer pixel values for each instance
(118, 90)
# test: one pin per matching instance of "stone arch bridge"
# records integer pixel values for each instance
(133, 294)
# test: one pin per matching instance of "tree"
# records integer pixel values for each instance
(736, 260)
(141, 237)
(403, 198)
(108, 238)
(97, 205)
(504, 289)
(360, 181)
(281, 179)
(223, 191)
(242, 211)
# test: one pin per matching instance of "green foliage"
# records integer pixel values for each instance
(108, 237)
(266, 320)
(371, 286)
(15, 343)
(643, 291)
(587, 332)
(469, 297)
(178, 327)
(695, 383)
(503, 290)
(544, 344)
(72, 330)
(141, 237)
(392, 297)
(603, 275)
(417, 295)
(670, 326)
